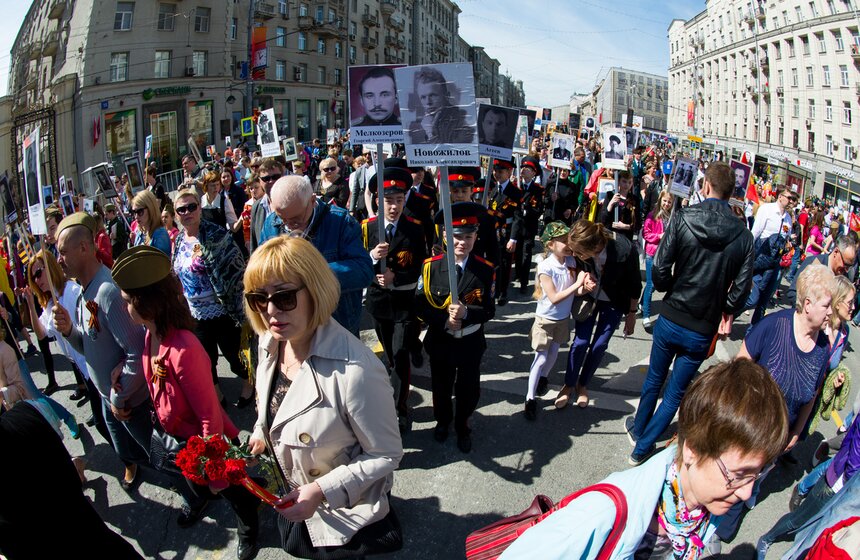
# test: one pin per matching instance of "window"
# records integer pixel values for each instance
(199, 62)
(822, 44)
(322, 117)
(352, 54)
(338, 77)
(303, 41)
(813, 10)
(119, 67)
(166, 16)
(303, 71)
(781, 136)
(828, 110)
(777, 49)
(332, 15)
(280, 70)
(321, 46)
(282, 115)
(320, 14)
(809, 76)
(201, 19)
(810, 141)
(338, 49)
(234, 28)
(798, 14)
(303, 10)
(353, 28)
(790, 44)
(781, 107)
(124, 16)
(795, 108)
(849, 150)
(826, 70)
(795, 139)
(162, 64)
(846, 112)
(804, 43)
(843, 73)
(794, 77)
(282, 9)
(303, 120)
(784, 19)
(831, 7)
(780, 78)
(321, 74)
(828, 145)
(811, 108)
(280, 37)
(840, 46)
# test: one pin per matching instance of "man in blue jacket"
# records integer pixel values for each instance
(296, 211)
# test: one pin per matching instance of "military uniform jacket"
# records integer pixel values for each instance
(527, 218)
(503, 206)
(421, 207)
(475, 289)
(406, 251)
(568, 198)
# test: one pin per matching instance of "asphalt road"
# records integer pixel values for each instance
(440, 494)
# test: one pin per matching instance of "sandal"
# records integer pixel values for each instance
(581, 397)
(563, 397)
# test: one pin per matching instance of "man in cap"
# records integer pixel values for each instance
(526, 220)
(455, 339)
(390, 297)
(503, 201)
(101, 329)
(613, 152)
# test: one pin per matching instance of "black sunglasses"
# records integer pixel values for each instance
(38, 273)
(284, 300)
(270, 178)
(329, 169)
(138, 211)
(187, 209)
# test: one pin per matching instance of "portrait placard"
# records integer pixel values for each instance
(684, 173)
(267, 134)
(10, 213)
(496, 129)
(742, 172)
(290, 152)
(33, 182)
(561, 151)
(135, 177)
(521, 140)
(614, 148)
(374, 105)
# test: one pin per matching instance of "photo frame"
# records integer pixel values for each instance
(684, 173)
(522, 136)
(33, 181)
(496, 129)
(561, 151)
(67, 204)
(742, 173)
(290, 151)
(135, 174)
(374, 105)
(62, 183)
(48, 194)
(10, 212)
(104, 184)
(267, 134)
(614, 148)
(605, 186)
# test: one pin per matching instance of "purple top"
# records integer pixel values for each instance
(847, 460)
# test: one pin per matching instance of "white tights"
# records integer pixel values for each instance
(543, 362)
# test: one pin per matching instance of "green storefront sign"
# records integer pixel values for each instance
(269, 89)
(149, 93)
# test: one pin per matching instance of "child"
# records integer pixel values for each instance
(556, 282)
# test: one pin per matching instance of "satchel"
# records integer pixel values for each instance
(491, 541)
(583, 308)
(163, 448)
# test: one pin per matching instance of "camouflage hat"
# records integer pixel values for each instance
(553, 230)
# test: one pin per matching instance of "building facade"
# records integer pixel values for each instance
(778, 79)
(436, 28)
(511, 92)
(486, 72)
(622, 89)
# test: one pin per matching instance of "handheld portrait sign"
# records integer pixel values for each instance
(62, 183)
(247, 126)
(605, 186)
(439, 114)
(89, 205)
(104, 183)
(496, 129)
(33, 181)
(742, 172)
(589, 123)
(573, 122)
(211, 151)
(228, 141)
(135, 177)
(70, 185)
(331, 136)
(67, 204)
(521, 140)
(195, 150)
(561, 151)
(547, 115)
(532, 115)
(48, 194)
(684, 175)
(632, 135)
(374, 105)
(10, 214)
(614, 148)
(290, 153)
(637, 122)
(147, 148)
(267, 134)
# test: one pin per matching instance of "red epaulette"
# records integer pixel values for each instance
(368, 220)
(436, 258)
(481, 259)
(415, 221)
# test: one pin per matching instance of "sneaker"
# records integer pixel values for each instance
(628, 428)
(637, 460)
(543, 386)
(646, 322)
(796, 498)
(531, 410)
(191, 515)
(639, 310)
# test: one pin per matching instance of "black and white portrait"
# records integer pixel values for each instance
(589, 123)
(742, 173)
(10, 213)
(373, 96)
(632, 135)
(573, 121)
(496, 129)
(267, 134)
(135, 178)
(561, 151)
(290, 149)
(104, 182)
(683, 177)
(48, 194)
(62, 183)
(31, 168)
(67, 204)
(547, 115)
(614, 148)
(523, 135)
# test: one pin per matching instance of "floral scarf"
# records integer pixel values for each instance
(684, 528)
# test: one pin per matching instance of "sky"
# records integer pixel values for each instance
(557, 48)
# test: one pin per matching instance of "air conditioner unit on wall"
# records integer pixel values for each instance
(189, 72)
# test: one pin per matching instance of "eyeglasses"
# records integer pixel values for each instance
(138, 211)
(270, 178)
(733, 483)
(284, 300)
(845, 263)
(329, 169)
(38, 273)
(187, 209)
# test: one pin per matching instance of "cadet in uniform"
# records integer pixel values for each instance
(461, 182)
(455, 361)
(390, 298)
(503, 200)
(526, 220)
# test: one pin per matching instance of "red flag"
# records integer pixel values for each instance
(854, 222)
(752, 194)
(97, 130)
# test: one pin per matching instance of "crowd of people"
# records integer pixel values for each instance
(275, 265)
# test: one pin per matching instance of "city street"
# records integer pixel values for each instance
(440, 494)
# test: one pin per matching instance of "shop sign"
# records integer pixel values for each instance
(149, 93)
(843, 173)
(269, 89)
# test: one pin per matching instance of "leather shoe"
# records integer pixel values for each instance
(417, 358)
(440, 434)
(129, 483)
(91, 421)
(247, 549)
(464, 442)
(531, 409)
(191, 515)
(50, 389)
(503, 300)
(404, 424)
(242, 402)
(796, 498)
(542, 387)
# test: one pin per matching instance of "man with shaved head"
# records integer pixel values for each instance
(297, 212)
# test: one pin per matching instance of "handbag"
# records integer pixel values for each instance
(584, 306)
(491, 541)
(163, 448)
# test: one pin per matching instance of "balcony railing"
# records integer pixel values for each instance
(369, 42)
(262, 10)
(370, 19)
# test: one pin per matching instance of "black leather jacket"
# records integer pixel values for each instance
(705, 265)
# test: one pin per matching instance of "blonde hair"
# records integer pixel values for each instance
(294, 260)
(145, 199)
(538, 293)
(843, 291)
(659, 213)
(815, 283)
(188, 191)
(57, 277)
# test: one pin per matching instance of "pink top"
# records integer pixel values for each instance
(182, 390)
(652, 231)
(818, 236)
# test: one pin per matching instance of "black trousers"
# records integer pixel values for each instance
(455, 370)
(503, 278)
(95, 400)
(48, 358)
(221, 332)
(523, 260)
(396, 338)
(244, 504)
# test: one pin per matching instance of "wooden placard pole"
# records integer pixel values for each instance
(380, 200)
(445, 195)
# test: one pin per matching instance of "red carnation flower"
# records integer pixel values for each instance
(215, 469)
(235, 470)
(216, 447)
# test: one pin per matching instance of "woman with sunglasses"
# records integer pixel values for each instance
(331, 186)
(168, 220)
(150, 231)
(326, 411)
(209, 265)
(174, 365)
(675, 500)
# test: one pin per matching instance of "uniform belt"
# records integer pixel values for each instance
(466, 331)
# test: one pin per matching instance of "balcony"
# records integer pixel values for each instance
(263, 10)
(442, 36)
(330, 29)
(752, 65)
(369, 42)
(764, 62)
(306, 23)
(391, 40)
(754, 94)
(855, 52)
(51, 43)
(749, 19)
(370, 20)
(56, 9)
(780, 91)
(397, 22)
(765, 91)
(35, 50)
(387, 7)
(759, 14)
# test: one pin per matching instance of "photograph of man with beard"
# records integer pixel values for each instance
(439, 122)
(378, 96)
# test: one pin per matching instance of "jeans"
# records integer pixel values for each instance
(585, 353)
(689, 349)
(649, 288)
(131, 438)
(808, 482)
(795, 263)
(791, 522)
(763, 287)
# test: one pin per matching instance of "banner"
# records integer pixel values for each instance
(439, 114)
(374, 105)
(33, 182)
(267, 134)
(691, 113)
(496, 129)
(259, 54)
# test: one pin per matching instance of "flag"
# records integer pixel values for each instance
(97, 130)
(854, 222)
(752, 194)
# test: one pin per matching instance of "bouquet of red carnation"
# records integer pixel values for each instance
(215, 461)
